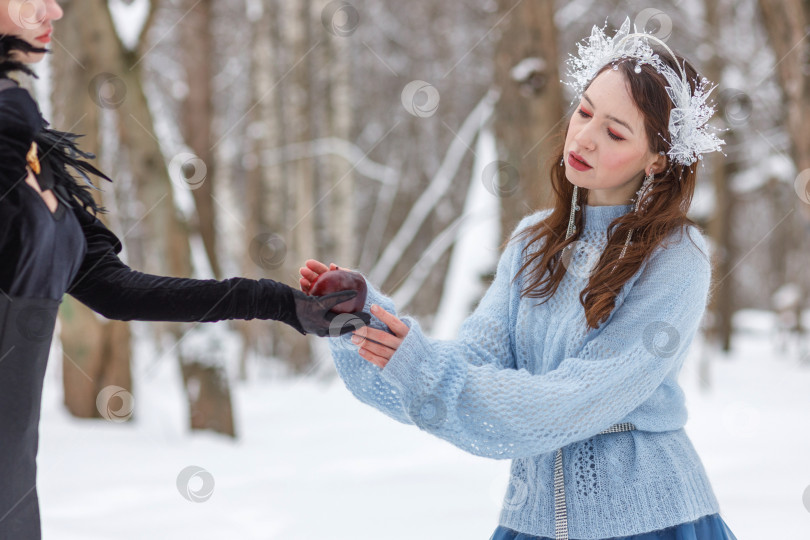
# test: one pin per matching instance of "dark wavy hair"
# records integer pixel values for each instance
(57, 149)
(664, 205)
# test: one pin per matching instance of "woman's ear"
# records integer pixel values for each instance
(660, 163)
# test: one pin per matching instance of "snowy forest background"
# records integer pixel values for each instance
(403, 139)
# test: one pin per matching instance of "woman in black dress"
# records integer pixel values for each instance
(51, 243)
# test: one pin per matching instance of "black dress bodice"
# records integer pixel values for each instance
(48, 247)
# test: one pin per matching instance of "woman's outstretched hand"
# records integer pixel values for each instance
(311, 271)
(316, 310)
(376, 346)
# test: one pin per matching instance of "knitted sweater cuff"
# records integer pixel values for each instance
(406, 366)
(374, 296)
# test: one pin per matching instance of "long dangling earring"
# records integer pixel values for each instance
(572, 229)
(643, 189)
(639, 195)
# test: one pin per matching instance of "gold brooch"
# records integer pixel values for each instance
(31, 157)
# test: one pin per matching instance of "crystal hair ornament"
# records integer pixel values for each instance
(691, 135)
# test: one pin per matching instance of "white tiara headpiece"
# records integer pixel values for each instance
(690, 134)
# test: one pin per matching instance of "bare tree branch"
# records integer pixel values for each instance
(441, 181)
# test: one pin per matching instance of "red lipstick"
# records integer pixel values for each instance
(578, 162)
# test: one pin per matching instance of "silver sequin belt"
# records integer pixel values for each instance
(560, 512)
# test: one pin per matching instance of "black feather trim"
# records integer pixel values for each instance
(57, 150)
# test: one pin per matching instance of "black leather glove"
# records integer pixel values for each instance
(315, 317)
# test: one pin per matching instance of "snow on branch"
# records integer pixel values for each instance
(416, 277)
(332, 145)
(437, 188)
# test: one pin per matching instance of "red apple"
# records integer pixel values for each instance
(341, 280)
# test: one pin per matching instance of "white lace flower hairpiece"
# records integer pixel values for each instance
(691, 136)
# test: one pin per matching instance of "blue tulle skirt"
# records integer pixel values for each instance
(711, 527)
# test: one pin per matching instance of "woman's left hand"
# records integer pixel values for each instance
(380, 353)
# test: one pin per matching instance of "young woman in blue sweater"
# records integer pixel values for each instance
(569, 364)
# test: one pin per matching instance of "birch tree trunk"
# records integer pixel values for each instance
(95, 351)
(197, 114)
(337, 184)
(206, 382)
(721, 304)
(529, 112)
(786, 22)
(294, 107)
(99, 58)
(264, 191)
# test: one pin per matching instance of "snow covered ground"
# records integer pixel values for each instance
(311, 462)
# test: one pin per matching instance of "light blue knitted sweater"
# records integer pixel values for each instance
(523, 380)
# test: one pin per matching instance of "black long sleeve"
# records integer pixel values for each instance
(103, 282)
(108, 286)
